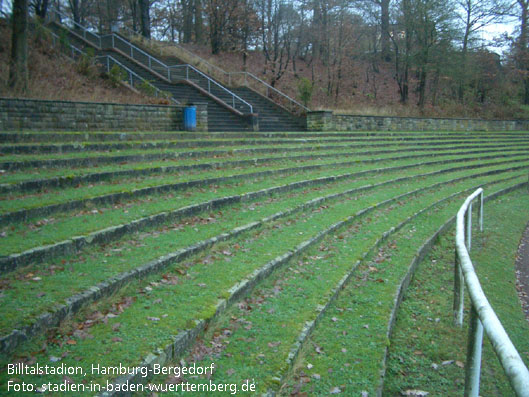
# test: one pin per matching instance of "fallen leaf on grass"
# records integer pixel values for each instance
(460, 364)
(335, 390)
(415, 393)
(153, 318)
(67, 379)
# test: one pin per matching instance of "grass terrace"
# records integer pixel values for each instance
(275, 257)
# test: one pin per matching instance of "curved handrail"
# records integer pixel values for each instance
(511, 361)
(112, 38)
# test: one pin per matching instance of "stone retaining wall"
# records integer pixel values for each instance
(327, 121)
(34, 114)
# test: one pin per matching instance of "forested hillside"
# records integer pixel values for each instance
(372, 56)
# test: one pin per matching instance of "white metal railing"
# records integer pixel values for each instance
(115, 41)
(482, 316)
(189, 69)
(132, 78)
(241, 78)
(262, 85)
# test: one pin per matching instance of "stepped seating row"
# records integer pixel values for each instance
(267, 253)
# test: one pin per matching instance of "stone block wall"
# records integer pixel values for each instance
(33, 114)
(327, 121)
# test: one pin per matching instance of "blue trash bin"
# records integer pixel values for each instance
(190, 118)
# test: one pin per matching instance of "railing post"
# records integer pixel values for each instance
(169, 73)
(150, 63)
(113, 43)
(473, 364)
(469, 227)
(481, 208)
(187, 72)
(209, 86)
(459, 292)
(108, 64)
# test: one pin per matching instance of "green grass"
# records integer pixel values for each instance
(493, 254)
(254, 337)
(19, 237)
(347, 348)
(36, 200)
(11, 177)
(301, 146)
(105, 262)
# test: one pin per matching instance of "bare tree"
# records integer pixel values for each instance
(474, 16)
(18, 65)
(145, 19)
(384, 29)
(221, 13)
(521, 50)
(41, 8)
(79, 10)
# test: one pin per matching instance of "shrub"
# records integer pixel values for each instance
(86, 62)
(147, 88)
(64, 42)
(117, 75)
(305, 89)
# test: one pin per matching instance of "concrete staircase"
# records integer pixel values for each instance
(225, 113)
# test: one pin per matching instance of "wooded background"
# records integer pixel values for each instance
(426, 53)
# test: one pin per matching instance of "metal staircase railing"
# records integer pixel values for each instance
(115, 41)
(190, 70)
(244, 79)
(131, 78)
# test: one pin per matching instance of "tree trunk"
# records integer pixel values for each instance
(422, 88)
(145, 19)
(463, 75)
(134, 14)
(523, 58)
(18, 64)
(316, 30)
(74, 8)
(199, 22)
(187, 9)
(384, 30)
(41, 9)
